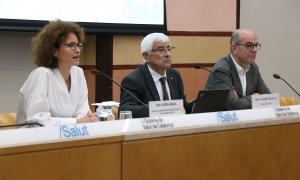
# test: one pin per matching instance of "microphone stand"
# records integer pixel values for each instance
(232, 87)
(291, 87)
(97, 72)
(22, 124)
(276, 76)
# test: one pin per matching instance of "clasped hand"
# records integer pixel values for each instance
(89, 117)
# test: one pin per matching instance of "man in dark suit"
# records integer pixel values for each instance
(239, 70)
(145, 81)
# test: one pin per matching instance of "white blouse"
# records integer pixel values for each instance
(44, 97)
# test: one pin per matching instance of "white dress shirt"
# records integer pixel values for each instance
(158, 85)
(44, 97)
(242, 75)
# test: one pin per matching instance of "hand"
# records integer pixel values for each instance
(235, 94)
(90, 117)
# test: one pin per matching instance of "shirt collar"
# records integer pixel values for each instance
(155, 75)
(238, 67)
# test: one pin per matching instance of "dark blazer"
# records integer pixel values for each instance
(140, 83)
(226, 69)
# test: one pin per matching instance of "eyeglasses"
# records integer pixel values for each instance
(250, 46)
(162, 50)
(72, 46)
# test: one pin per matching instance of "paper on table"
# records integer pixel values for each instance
(107, 103)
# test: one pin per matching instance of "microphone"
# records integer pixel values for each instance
(231, 87)
(23, 124)
(97, 73)
(276, 76)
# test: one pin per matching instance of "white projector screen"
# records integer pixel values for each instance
(94, 15)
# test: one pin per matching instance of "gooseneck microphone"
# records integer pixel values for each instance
(23, 124)
(231, 87)
(97, 73)
(276, 76)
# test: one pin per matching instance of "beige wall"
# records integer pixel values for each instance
(189, 49)
(193, 79)
(126, 50)
(88, 55)
(193, 49)
(201, 15)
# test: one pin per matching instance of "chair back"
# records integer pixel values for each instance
(287, 101)
(115, 110)
(7, 119)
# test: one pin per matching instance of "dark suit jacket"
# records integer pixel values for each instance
(140, 83)
(226, 69)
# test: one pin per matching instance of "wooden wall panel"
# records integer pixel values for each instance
(118, 76)
(87, 62)
(193, 79)
(88, 54)
(126, 50)
(91, 83)
(189, 49)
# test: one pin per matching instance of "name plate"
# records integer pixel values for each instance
(156, 123)
(265, 100)
(165, 108)
(285, 112)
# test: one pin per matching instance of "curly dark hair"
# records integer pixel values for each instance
(49, 38)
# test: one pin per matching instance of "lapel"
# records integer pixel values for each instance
(235, 76)
(149, 82)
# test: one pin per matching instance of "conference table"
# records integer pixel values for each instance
(244, 144)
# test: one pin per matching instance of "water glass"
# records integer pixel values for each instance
(125, 115)
(104, 113)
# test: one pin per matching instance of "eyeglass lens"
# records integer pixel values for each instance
(250, 46)
(73, 46)
(164, 49)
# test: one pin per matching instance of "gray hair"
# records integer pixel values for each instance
(235, 37)
(147, 42)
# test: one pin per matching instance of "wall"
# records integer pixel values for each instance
(198, 16)
(276, 23)
(16, 63)
(201, 15)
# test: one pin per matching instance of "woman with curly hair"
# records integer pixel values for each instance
(56, 92)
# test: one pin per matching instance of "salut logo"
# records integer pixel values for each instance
(70, 131)
(226, 117)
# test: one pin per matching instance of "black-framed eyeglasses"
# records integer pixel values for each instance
(161, 50)
(250, 46)
(72, 46)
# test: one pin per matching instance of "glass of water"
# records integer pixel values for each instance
(125, 115)
(104, 113)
